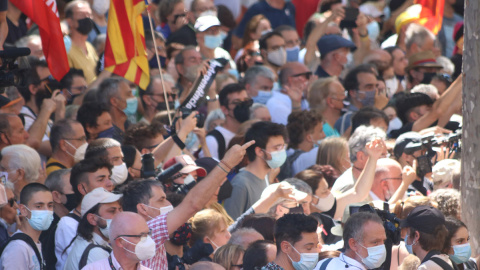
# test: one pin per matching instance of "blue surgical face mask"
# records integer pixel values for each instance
(373, 30)
(213, 42)
(132, 104)
(461, 253)
(292, 54)
(223, 35)
(40, 219)
(262, 97)
(308, 261)
(68, 43)
(409, 247)
(376, 256)
(278, 158)
(369, 99)
(108, 133)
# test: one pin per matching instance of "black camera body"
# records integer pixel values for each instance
(9, 71)
(200, 118)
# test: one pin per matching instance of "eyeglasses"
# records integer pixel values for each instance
(141, 235)
(249, 102)
(169, 95)
(391, 178)
(83, 138)
(306, 74)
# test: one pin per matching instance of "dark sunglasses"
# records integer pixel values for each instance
(306, 74)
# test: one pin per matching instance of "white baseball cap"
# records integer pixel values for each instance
(205, 22)
(96, 196)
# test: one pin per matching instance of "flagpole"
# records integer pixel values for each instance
(158, 61)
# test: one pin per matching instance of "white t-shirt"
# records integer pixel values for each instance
(213, 144)
(341, 262)
(20, 255)
(66, 231)
(79, 246)
(344, 182)
(305, 160)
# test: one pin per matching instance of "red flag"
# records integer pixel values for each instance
(431, 15)
(44, 13)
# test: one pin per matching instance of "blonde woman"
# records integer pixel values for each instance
(230, 256)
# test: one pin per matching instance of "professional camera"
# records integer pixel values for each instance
(200, 117)
(391, 224)
(9, 71)
(427, 143)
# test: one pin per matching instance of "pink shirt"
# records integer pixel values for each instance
(159, 229)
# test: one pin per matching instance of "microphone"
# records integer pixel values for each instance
(13, 53)
(171, 171)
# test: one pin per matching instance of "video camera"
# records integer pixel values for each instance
(9, 71)
(391, 224)
(426, 144)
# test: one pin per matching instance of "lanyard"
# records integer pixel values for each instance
(111, 263)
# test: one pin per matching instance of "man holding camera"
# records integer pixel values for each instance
(364, 237)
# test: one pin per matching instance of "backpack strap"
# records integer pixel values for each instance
(84, 258)
(441, 263)
(325, 264)
(72, 215)
(220, 142)
(27, 239)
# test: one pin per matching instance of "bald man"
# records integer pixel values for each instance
(388, 178)
(206, 266)
(129, 234)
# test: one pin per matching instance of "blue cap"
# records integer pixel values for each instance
(330, 43)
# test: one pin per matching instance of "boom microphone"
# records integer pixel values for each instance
(171, 171)
(12, 53)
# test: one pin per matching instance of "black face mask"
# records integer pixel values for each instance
(85, 26)
(225, 191)
(427, 77)
(242, 111)
(161, 106)
(71, 201)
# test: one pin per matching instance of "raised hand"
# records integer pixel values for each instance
(376, 148)
(409, 174)
(235, 154)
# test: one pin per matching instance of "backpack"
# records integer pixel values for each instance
(286, 168)
(27, 239)
(84, 259)
(220, 141)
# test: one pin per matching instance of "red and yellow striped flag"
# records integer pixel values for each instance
(125, 46)
(431, 15)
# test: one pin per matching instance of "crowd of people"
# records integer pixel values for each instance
(330, 139)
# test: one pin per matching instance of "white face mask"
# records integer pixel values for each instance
(277, 57)
(105, 231)
(376, 256)
(394, 124)
(119, 174)
(308, 261)
(79, 154)
(101, 6)
(145, 249)
(164, 210)
(325, 204)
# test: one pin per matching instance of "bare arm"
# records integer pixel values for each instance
(169, 148)
(440, 106)
(204, 190)
(284, 190)
(409, 175)
(39, 126)
(360, 191)
(3, 28)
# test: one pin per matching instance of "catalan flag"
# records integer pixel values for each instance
(125, 46)
(431, 15)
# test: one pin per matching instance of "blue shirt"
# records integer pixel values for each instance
(330, 131)
(276, 16)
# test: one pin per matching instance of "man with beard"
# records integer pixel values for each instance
(235, 104)
(40, 103)
(153, 98)
(188, 63)
(82, 55)
(267, 153)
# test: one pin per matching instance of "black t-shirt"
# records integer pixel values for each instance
(16, 32)
(185, 35)
(3, 5)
